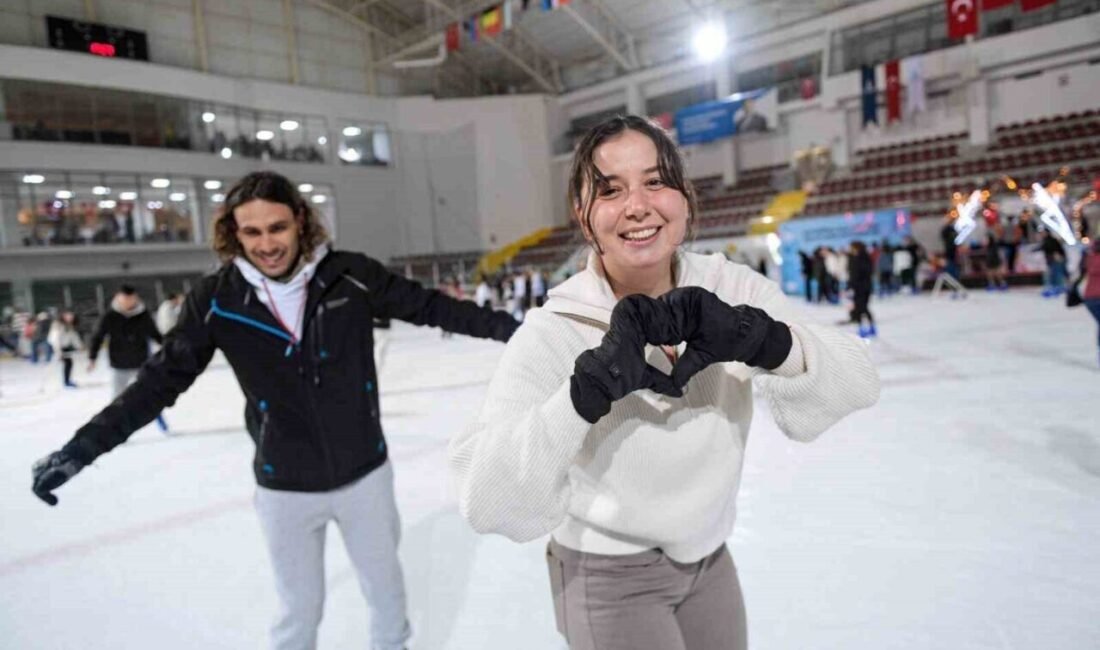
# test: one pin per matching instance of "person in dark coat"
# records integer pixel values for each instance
(861, 272)
(294, 320)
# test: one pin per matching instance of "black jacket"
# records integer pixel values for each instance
(128, 338)
(860, 273)
(312, 407)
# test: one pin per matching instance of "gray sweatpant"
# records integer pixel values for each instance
(646, 601)
(121, 378)
(294, 525)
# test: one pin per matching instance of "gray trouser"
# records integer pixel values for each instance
(646, 601)
(121, 378)
(294, 526)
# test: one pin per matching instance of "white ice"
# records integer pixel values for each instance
(962, 512)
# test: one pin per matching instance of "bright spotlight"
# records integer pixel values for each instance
(160, 183)
(127, 196)
(352, 131)
(709, 42)
(212, 185)
(305, 188)
(264, 135)
(100, 190)
(226, 153)
(107, 204)
(318, 198)
(288, 125)
(63, 194)
(177, 196)
(208, 117)
(34, 179)
(217, 198)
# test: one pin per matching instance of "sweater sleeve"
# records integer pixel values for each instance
(827, 375)
(512, 462)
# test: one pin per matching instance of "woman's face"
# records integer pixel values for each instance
(637, 220)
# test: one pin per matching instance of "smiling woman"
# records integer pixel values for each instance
(589, 431)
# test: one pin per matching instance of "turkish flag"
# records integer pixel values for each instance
(1031, 5)
(995, 4)
(893, 91)
(962, 18)
(452, 38)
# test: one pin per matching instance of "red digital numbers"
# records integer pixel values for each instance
(102, 49)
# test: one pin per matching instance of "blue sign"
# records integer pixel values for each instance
(805, 235)
(718, 119)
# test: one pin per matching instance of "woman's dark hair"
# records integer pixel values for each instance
(585, 179)
(275, 188)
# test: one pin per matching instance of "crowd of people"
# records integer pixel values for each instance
(515, 292)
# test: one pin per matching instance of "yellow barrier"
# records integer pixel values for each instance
(784, 206)
(491, 262)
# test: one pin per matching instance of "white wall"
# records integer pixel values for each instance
(1062, 90)
(244, 38)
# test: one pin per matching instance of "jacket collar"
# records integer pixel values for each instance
(588, 294)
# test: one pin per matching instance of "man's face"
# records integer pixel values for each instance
(268, 233)
(127, 301)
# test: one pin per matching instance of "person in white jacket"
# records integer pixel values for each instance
(65, 338)
(619, 414)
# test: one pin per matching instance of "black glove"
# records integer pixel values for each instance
(717, 332)
(52, 472)
(618, 367)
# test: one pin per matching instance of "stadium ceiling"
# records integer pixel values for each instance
(578, 44)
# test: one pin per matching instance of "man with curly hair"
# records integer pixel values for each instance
(294, 319)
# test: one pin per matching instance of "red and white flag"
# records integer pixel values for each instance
(962, 18)
(893, 91)
(1032, 5)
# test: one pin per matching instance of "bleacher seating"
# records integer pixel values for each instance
(924, 175)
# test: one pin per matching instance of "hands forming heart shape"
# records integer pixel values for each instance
(713, 330)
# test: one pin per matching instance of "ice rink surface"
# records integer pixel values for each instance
(962, 512)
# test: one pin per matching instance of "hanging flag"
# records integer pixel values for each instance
(470, 27)
(870, 95)
(962, 18)
(1032, 5)
(987, 5)
(491, 21)
(916, 98)
(893, 91)
(452, 37)
(547, 5)
(507, 14)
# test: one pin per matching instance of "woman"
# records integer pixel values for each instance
(1090, 269)
(861, 281)
(619, 413)
(994, 269)
(65, 338)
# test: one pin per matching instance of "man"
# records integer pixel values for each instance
(128, 328)
(294, 321)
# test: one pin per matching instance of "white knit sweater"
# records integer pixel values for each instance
(656, 471)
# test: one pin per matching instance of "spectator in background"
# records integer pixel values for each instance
(885, 267)
(65, 338)
(861, 272)
(483, 295)
(128, 328)
(1055, 255)
(40, 334)
(1013, 236)
(807, 274)
(1090, 271)
(538, 288)
(913, 252)
(169, 312)
(950, 248)
(519, 294)
(994, 268)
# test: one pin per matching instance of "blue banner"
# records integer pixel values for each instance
(805, 235)
(720, 118)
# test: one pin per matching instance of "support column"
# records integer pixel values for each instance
(723, 86)
(977, 112)
(200, 35)
(291, 41)
(635, 102)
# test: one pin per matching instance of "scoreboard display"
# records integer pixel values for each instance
(93, 38)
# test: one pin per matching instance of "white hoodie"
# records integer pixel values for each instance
(290, 296)
(656, 471)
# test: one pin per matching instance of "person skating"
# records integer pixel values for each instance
(293, 318)
(129, 330)
(602, 429)
(861, 278)
(65, 338)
